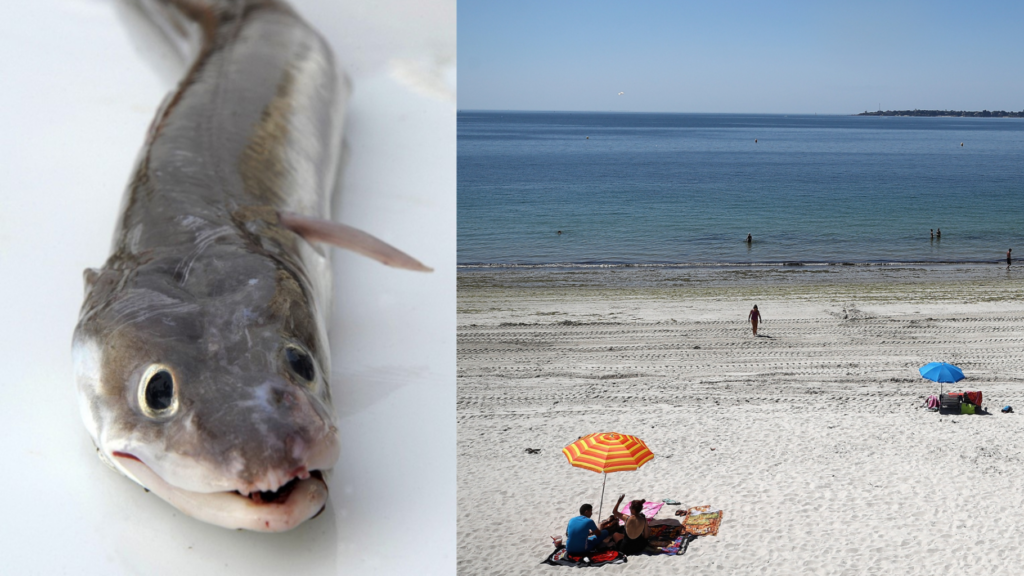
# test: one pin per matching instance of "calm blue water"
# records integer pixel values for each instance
(687, 188)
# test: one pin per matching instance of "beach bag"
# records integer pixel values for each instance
(967, 408)
(933, 403)
(973, 398)
(951, 401)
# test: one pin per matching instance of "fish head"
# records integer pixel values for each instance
(211, 393)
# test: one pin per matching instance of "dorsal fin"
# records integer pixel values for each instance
(349, 238)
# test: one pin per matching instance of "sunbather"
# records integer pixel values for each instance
(635, 539)
(583, 535)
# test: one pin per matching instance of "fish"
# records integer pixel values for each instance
(201, 352)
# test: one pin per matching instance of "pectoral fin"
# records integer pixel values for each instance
(90, 275)
(349, 238)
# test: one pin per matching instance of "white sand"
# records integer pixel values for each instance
(810, 439)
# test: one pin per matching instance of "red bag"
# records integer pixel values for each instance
(973, 398)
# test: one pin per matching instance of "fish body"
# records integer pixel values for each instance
(201, 351)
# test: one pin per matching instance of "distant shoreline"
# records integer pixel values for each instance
(698, 281)
(946, 113)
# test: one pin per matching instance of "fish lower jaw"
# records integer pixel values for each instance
(291, 504)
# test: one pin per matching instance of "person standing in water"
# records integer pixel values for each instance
(1008, 258)
(938, 232)
(931, 231)
(749, 238)
(754, 317)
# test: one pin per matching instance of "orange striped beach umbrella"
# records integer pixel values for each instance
(606, 452)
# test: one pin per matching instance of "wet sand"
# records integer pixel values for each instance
(811, 437)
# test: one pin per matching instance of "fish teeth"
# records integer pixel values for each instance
(274, 480)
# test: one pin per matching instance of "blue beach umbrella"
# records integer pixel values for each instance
(941, 372)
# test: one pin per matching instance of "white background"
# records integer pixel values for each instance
(78, 92)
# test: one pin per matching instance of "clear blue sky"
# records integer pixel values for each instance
(770, 57)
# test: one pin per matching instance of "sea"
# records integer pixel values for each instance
(685, 190)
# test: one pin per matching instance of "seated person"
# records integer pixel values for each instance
(582, 535)
(635, 539)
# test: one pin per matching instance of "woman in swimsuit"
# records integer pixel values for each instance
(637, 531)
(754, 317)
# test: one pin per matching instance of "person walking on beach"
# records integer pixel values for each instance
(1008, 258)
(754, 317)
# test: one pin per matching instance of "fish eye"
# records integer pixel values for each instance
(157, 392)
(300, 362)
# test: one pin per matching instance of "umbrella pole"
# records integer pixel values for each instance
(600, 508)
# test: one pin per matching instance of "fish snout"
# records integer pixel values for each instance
(280, 436)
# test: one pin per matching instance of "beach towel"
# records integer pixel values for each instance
(675, 534)
(666, 532)
(680, 540)
(561, 558)
(679, 545)
(701, 521)
(651, 509)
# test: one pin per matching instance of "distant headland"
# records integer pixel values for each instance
(946, 113)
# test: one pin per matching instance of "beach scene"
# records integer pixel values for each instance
(696, 337)
(813, 438)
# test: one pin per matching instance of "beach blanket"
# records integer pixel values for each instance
(651, 509)
(679, 545)
(701, 521)
(562, 558)
(675, 533)
(666, 532)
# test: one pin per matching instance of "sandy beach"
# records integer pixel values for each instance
(810, 437)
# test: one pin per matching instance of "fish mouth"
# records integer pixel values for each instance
(302, 497)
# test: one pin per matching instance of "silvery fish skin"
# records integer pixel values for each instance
(201, 352)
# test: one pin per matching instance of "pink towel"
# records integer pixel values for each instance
(933, 402)
(651, 509)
